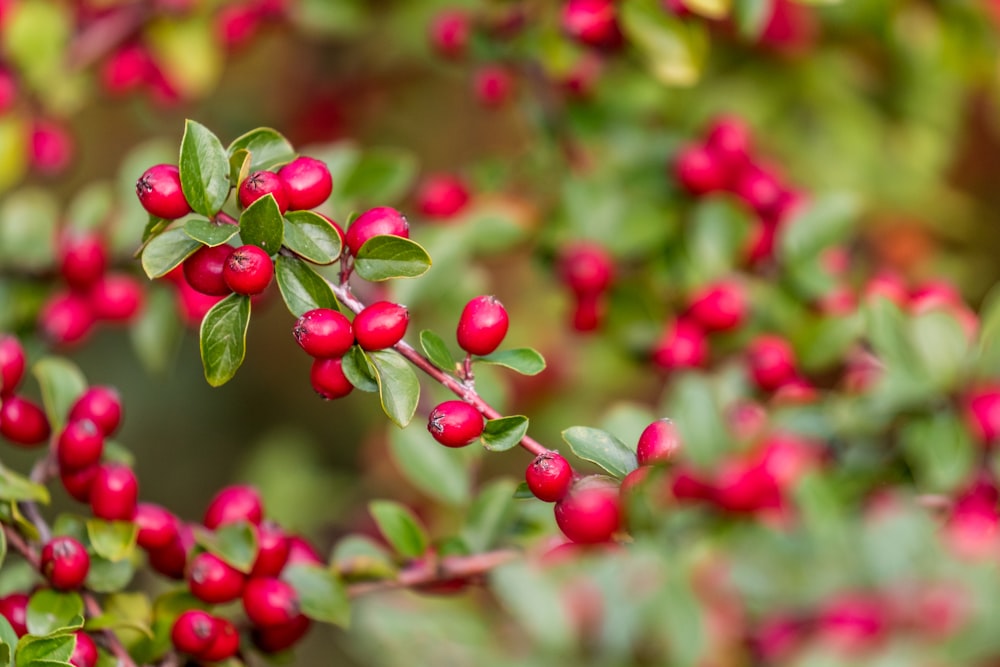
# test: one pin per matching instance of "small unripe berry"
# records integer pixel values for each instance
(203, 270)
(658, 443)
(225, 645)
(79, 482)
(275, 638)
(380, 325)
(115, 297)
(101, 405)
(194, 631)
(12, 363)
(328, 379)
(592, 22)
(772, 362)
(272, 550)
(683, 345)
(232, 504)
(307, 182)
(721, 306)
(380, 221)
(14, 608)
(213, 580)
(157, 526)
(493, 85)
(66, 318)
(269, 601)
(449, 33)
(65, 563)
(698, 171)
(455, 423)
(442, 196)
(114, 493)
(248, 270)
(80, 444)
(84, 652)
(323, 333)
(586, 268)
(159, 191)
(260, 184)
(482, 325)
(82, 259)
(549, 477)
(22, 422)
(589, 514)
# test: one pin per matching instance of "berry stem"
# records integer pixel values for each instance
(40, 474)
(15, 540)
(438, 570)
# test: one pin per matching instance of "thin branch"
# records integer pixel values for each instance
(434, 571)
(15, 540)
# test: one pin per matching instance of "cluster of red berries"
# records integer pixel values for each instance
(588, 271)
(50, 146)
(22, 421)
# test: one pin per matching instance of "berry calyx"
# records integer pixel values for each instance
(771, 361)
(328, 379)
(114, 493)
(657, 443)
(323, 333)
(307, 182)
(482, 325)
(157, 526)
(194, 631)
(248, 270)
(549, 477)
(272, 550)
(721, 306)
(270, 602)
(82, 259)
(260, 184)
(160, 193)
(455, 423)
(14, 608)
(379, 221)
(65, 563)
(380, 325)
(232, 504)
(101, 405)
(22, 422)
(589, 514)
(213, 580)
(12, 363)
(80, 444)
(84, 651)
(204, 270)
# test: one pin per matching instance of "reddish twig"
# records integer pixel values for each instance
(433, 571)
(105, 34)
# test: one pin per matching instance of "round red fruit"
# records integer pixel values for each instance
(683, 345)
(203, 270)
(592, 22)
(232, 504)
(307, 182)
(159, 191)
(260, 184)
(549, 477)
(380, 221)
(328, 379)
(114, 493)
(12, 363)
(275, 638)
(380, 325)
(442, 196)
(449, 33)
(657, 443)
(82, 259)
(115, 297)
(323, 333)
(80, 444)
(721, 306)
(272, 550)
(590, 514)
(84, 652)
(194, 631)
(455, 423)
(225, 645)
(157, 526)
(65, 563)
(482, 325)
(66, 318)
(14, 608)
(248, 270)
(101, 405)
(772, 362)
(699, 171)
(269, 602)
(493, 85)
(22, 422)
(213, 580)
(586, 268)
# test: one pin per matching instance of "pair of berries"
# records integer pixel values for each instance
(587, 270)
(302, 184)
(22, 421)
(222, 269)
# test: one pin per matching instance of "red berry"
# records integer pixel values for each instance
(79, 482)
(983, 414)
(203, 270)
(66, 318)
(772, 362)
(683, 345)
(592, 22)
(159, 191)
(260, 184)
(115, 297)
(248, 270)
(157, 526)
(52, 147)
(728, 139)
(442, 196)
(80, 445)
(22, 422)
(84, 652)
(586, 268)
(194, 631)
(300, 551)
(101, 405)
(272, 550)
(380, 221)
(225, 645)
(171, 560)
(657, 443)
(721, 306)
(759, 189)
(14, 608)
(8, 90)
(82, 259)
(589, 514)
(12, 363)
(307, 182)
(275, 638)
(114, 493)
(236, 24)
(698, 171)
(380, 325)
(588, 313)
(328, 379)
(269, 601)
(455, 423)
(323, 333)
(126, 69)
(192, 304)
(482, 325)
(213, 580)
(549, 477)
(65, 563)
(232, 504)
(493, 85)
(449, 33)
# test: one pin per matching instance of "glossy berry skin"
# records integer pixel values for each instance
(683, 345)
(455, 423)
(379, 221)
(759, 189)
(101, 405)
(225, 645)
(493, 86)
(114, 493)
(442, 196)
(771, 361)
(982, 410)
(157, 526)
(482, 325)
(12, 363)
(586, 268)
(721, 306)
(203, 270)
(269, 602)
(79, 482)
(171, 560)
(307, 182)
(52, 147)
(22, 422)
(232, 504)
(328, 379)
(275, 638)
(80, 444)
(65, 563)
(248, 270)
(82, 259)
(272, 550)
(66, 318)
(323, 333)
(728, 139)
(14, 608)
(549, 477)
(213, 580)
(592, 22)
(115, 297)
(260, 184)
(194, 631)
(159, 191)
(449, 33)
(85, 652)
(589, 515)
(658, 443)
(300, 551)
(698, 171)
(380, 325)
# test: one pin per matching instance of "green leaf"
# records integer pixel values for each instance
(239, 166)
(50, 610)
(524, 360)
(223, 338)
(267, 148)
(505, 433)
(398, 386)
(261, 224)
(361, 557)
(106, 576)
(210, 233)
(988, 346)
(358, 370)
(437, 350)
(699, 418)
(490, 514)
(156, 334)
(602, 448)
(17, 488)
(153, 228)
(235, 543)
(3, 548)
(386, 257)
(888, 335)
(717, 237)
(380, 176)
(712, 9)
(440, 472)
(824, 222)
(940, 452)
(322, 595)
(62, 383)
(941, 345)
(400, 528)
(311, 236)
(166, 251)
(45, 650)
(674, 49)
(8, 639)
(751, 16)
(301, 288)
(204, 167)
(113, 540)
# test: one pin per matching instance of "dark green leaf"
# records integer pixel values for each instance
(166, 251)
(261, 224)
(674, 49)
(45, 650)
(210, 233)
(302, 288)
(524, 360)
(107, 576)
(312, 237)
(204, 167)
(322, 595)
(113, 540)
(223, 338)
(50, 610)
(62, 382)
(267, 148)
(398, 386)
(15, 487)
(386, 257)
(380, 176)
(489, 515)
(437, 350)
(358, 370)
(505, 433)
(400, 528)
(602, 448)
(235, 543)
(440, 472)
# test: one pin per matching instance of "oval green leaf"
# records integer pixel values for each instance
(235, 543)
(437, 350)
(524, 360)
(204, 168)
(50, 610)
(113, 540)
(210, 233)
(322, 595)
(398, 386)
(261, 224)
(47, 651)
(358, 370)
(62, 383)
(223, 338)
(505, 433)
(15, 487)
(302, 288)
(440, 472)
(166, 251)
(400, 528)
(674, 49)
(267, 148)
(387, 257)
(602, 448)
(311, 236)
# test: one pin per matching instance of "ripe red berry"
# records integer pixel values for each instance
(720, 306)
(66, 318)
(771, 361)
(157, 526)
(22, 422)
(759, 189)
(588, 312)
(728, 139)
(114, 493)
(82, 259)
(380, 325)
(232, 504)
(8, 90)
(260, 184)
(272, 550)
(115, 297)
(592, 22)
(213, 580)
(493, 85)
(275, 638)
(482, 325)
(323, 333)
(126, 69)
(65, 563)
(983, 414)
(328, 379)
(84, 652)
(203, 270)
(698, 171)
(80, 444)
(380, 221)
(269, 602)
(307, 182)
(79, 482)
(12, 363)
(159, 191)
(300, 551)
(442, 196)
(449, 33)
(194, 631)
(549, 477)
(52, 147)
(236, 24)
(586, 268)
(101, 405)
(248, 270)
(171, 560)
(589, 514)
(657, 443)
(225, 645)
(683, 345)
(14, 608)
(455, 423)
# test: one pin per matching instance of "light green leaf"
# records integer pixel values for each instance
(387, 257)
(62, 383)
(261, 224)
(167, 251)
(235, 543)
(489, 515)
(437, 350)
(602, 448)
(524, 360)
(311, 236)
(674, 49)
(504, 433)
(267, 148)
(113, 540)
(50, 610)
(358, 370)
(322, 595)
(440, 472)
(400, 528)
(210, 233)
